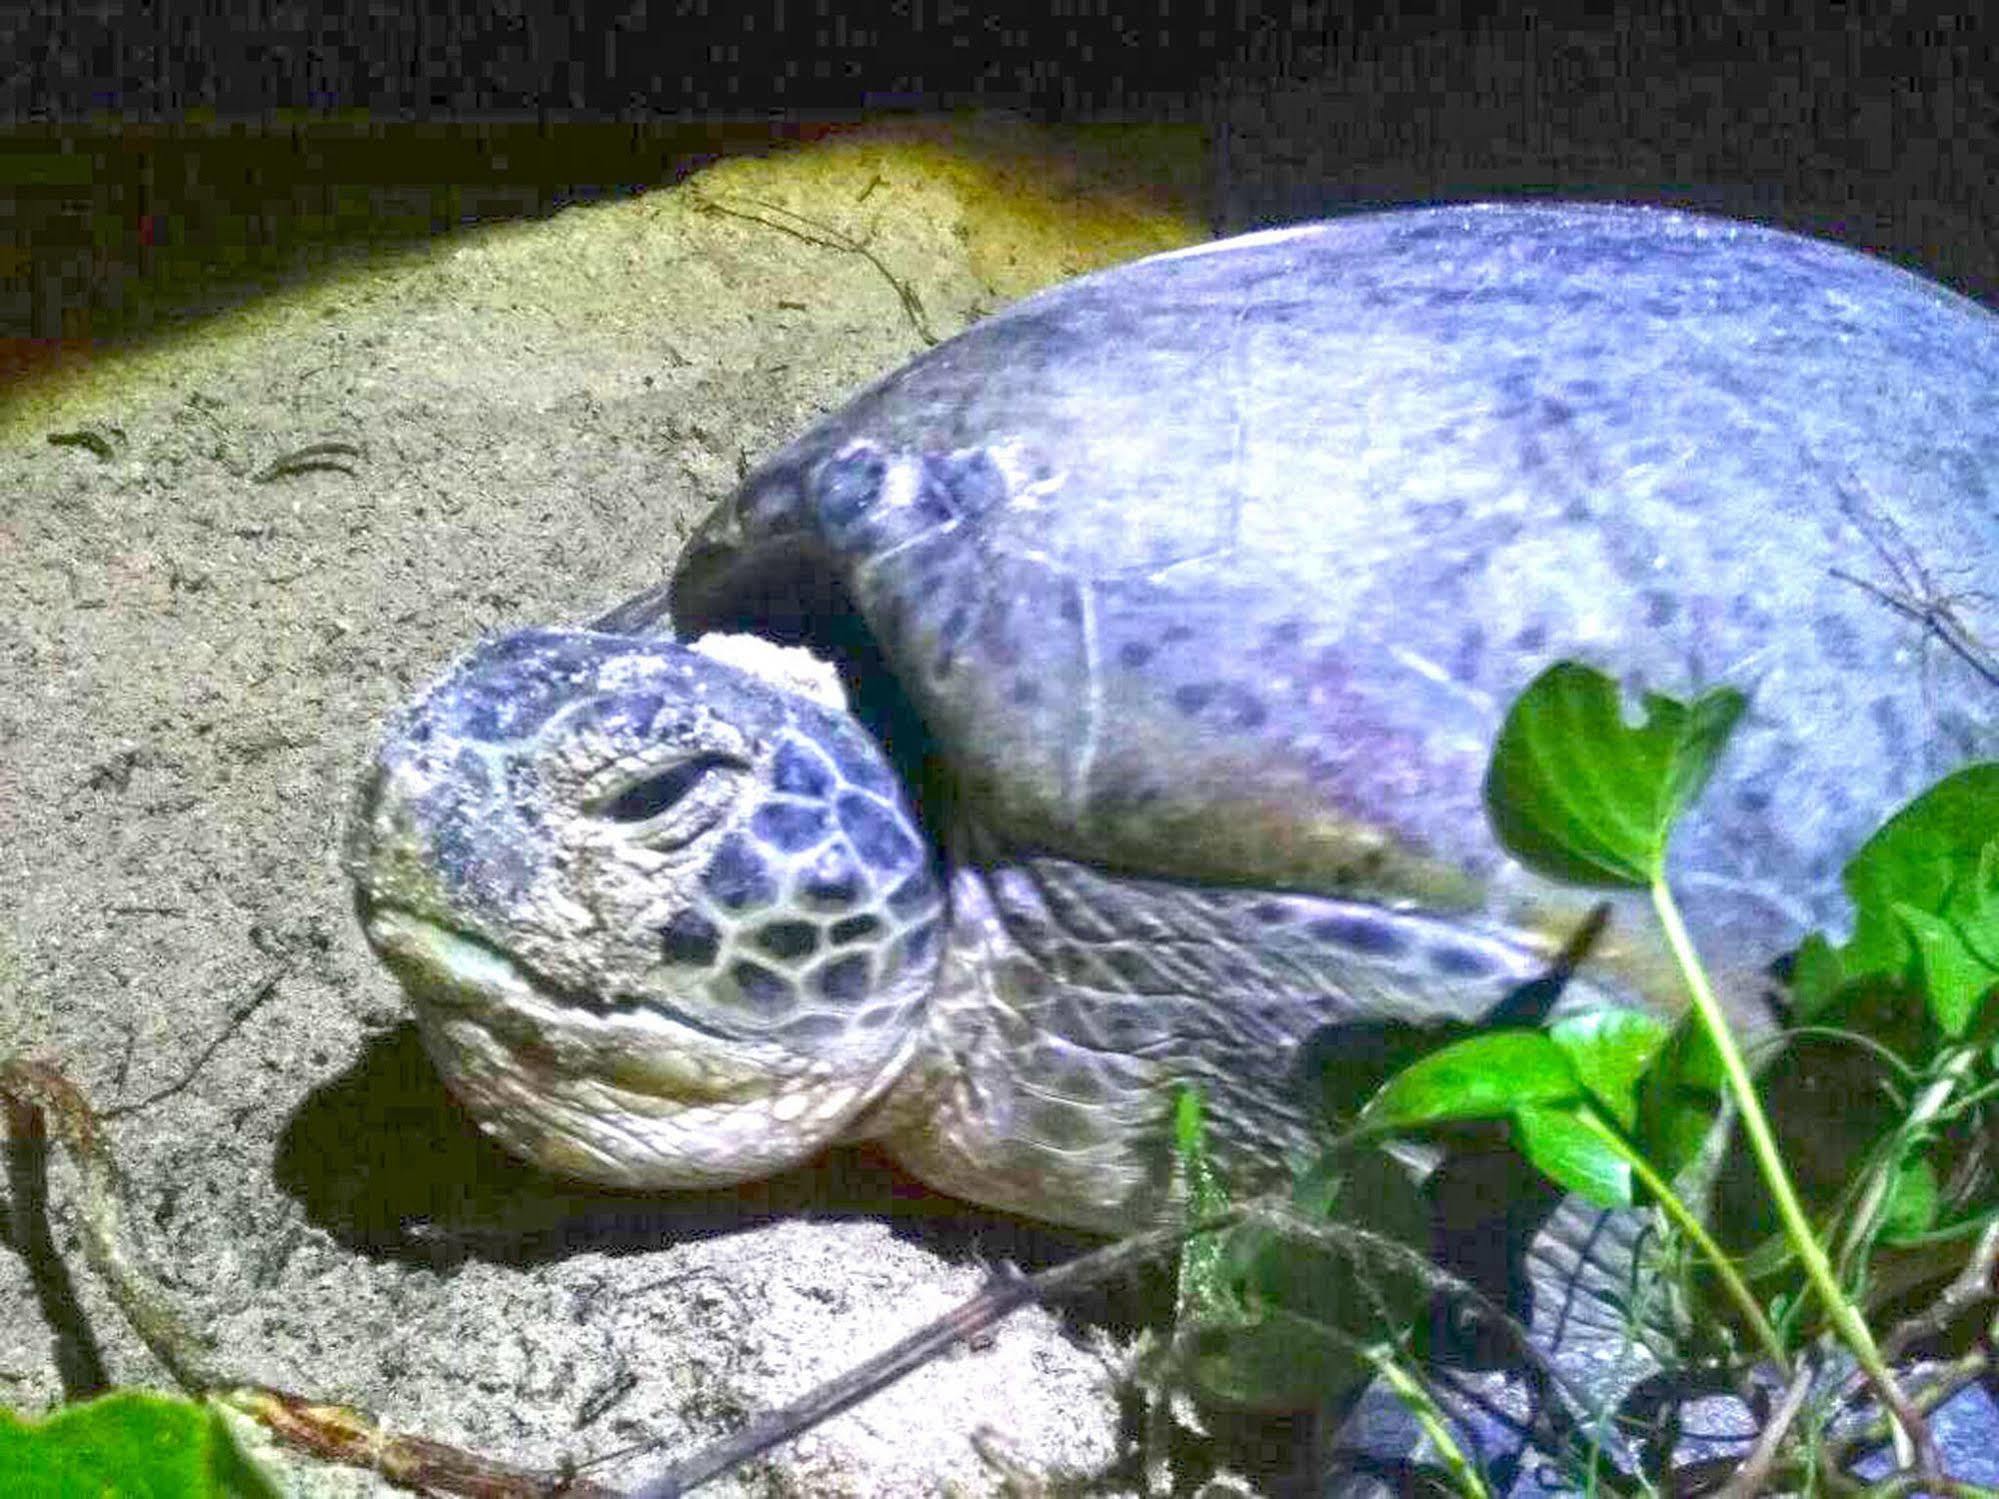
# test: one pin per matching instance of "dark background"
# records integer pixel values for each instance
(160, 160)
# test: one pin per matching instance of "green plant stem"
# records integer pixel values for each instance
(1667, 1198)
(1846, 1319)
(1417, 1401)
(1930, 1103)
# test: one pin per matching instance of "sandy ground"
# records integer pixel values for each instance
(198, 636)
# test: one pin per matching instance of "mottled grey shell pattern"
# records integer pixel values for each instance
(1225, 564)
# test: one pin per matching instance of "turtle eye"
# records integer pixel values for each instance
(656, 793)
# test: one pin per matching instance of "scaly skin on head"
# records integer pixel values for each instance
(665, 924)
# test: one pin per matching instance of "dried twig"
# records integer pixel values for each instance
(1972, 1288)
(38, 1101)
(815, 233)
(312, 458)
(105, 442)
(1008, 1291)
(1748, 1479)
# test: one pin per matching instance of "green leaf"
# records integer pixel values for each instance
(1482, 1077)
(1953, 978)
(1610, 1050)
(1816, 975)
(1283, 1336)
(132, 1444)
(1576, 793)
(1574, 1154)
(1925, 893)
(1912, 1202)
(1204, 1288)
(1679, 1098)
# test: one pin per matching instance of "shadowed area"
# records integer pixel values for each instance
(383, 1159)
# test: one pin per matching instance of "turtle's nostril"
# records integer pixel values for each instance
(668, 788)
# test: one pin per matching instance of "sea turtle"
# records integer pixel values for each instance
(1178, 607)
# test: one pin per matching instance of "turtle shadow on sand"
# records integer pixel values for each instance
(383, 1159)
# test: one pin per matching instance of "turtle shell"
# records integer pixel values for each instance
(1226, 564)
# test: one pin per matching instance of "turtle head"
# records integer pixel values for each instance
(664, 921)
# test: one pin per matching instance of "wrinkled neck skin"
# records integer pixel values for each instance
(1073, 1003)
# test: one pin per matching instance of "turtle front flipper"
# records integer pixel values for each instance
(1073, 1003)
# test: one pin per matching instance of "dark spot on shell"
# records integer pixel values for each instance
(1359, 934)
(1893, 727)
(790, 826)
(876, 833)
(1471, 651)
(801, 770)
(845, 980)
(1234, 706)
(1532, 638)
(1459, 962)
(1837, 640)
(913, 894)
(1135, 653)
(761, 989)
(737, 877)
(1175, 634)
(1321, 766)
(1270, 912)
(1749, 612)
(1287, 632)
(1661, 608)
(787, 939)
(1025, 692)
(854, 929)
(689, 938)
(834, 882)
(1071, 609)
(849, 485)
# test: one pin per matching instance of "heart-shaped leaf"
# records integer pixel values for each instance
(1679, 1098)
(1574, 1153)
(1481, 1077)
(1610, 1050)
(1912, 1202)
(1925, 892)
(1576, 793)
